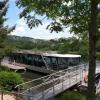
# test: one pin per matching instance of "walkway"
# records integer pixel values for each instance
(51, 85)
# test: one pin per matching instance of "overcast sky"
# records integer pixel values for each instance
(22, 29)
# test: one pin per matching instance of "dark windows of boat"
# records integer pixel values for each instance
(39, 61)
(51, 62)
(63, 63)
(56, 63)
(29, 59)
(73, 61)
(10, 58)
(35, 60)
(47, 60)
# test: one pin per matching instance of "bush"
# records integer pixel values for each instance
(3, 68)
(8, 80)
(98, 55)
(72, 95)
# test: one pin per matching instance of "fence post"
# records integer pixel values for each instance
(81, 72)
(53, 86)
(69, 77)
(28, 96)
(1, 95)
(18, 94)
(62, 83)
(76, 73)
(43, 93)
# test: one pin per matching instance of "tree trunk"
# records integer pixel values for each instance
(92, 51)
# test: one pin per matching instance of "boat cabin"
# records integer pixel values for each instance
(45, 60)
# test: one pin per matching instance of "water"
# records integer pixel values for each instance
(30, 75)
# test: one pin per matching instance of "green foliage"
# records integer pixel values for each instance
(64, 48)
(98, 46)
(98, 55)
(75, 14)
(71, 95)
(4, 68)
(84, 47)
(62, 45)
(4, 30)
(8, 80)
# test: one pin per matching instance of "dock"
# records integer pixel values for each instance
(12, 66)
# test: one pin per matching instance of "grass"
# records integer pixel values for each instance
(72, 95)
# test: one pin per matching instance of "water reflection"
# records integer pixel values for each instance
(30, 75)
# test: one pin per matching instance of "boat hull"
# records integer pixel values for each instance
(39, 69)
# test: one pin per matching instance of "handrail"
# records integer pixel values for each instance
(36, 79)
(47, 76)
(37, 86)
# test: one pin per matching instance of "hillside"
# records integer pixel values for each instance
(18, 38)
(21, 42)
(62, 45)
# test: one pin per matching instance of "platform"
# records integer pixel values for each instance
(12, 66)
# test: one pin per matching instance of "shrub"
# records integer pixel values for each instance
(98, 55)
(3, 68)
(8, 80)
(72, 95)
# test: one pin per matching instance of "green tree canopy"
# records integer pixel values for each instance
(8, 80)
(64, 13)
(4, 30)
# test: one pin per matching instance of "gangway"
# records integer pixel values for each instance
(50, 85)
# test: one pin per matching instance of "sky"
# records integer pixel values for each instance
(22, 29)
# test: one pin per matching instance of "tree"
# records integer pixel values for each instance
(92, 50)
(72, 95)
(8, 80)
(84, 47)
(4, 30)
(79, 15)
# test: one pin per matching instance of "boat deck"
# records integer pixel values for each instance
(13, 66)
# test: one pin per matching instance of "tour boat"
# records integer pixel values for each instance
(44, 62)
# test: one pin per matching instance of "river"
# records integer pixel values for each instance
(30, 75)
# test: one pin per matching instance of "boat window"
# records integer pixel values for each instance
(47, 60)
(62, 61)
(73, 61)
(54, 60)
(38, 61)
(51, 61)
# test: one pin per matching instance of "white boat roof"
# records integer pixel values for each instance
(51, 54)
(62, 55)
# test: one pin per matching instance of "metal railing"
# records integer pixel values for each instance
(50, 85)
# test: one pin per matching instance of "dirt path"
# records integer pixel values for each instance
(7, 97)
